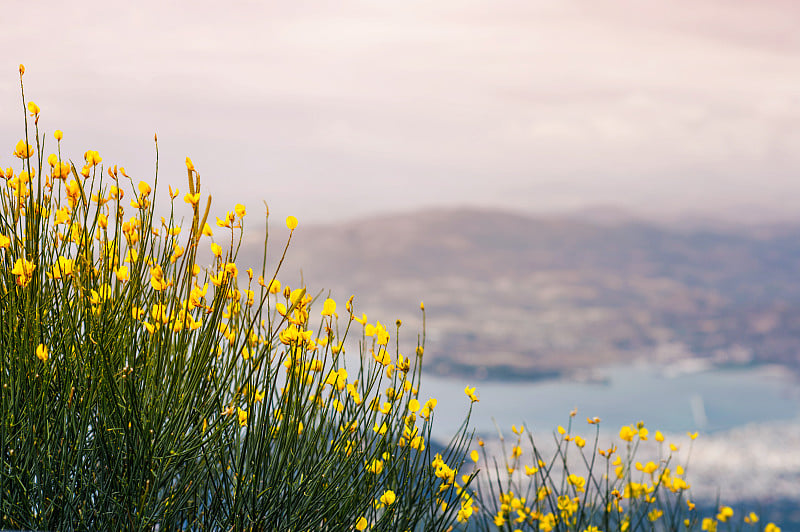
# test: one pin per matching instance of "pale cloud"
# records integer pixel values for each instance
(332, 110)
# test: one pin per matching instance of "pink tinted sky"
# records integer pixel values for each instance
(332, 110)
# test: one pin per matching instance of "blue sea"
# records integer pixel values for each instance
(670, 398)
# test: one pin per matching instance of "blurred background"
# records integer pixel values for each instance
(598, 201)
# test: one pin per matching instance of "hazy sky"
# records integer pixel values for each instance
(331, 110)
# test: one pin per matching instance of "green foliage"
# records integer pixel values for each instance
(139, 389)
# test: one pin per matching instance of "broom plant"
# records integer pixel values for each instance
(143, 388)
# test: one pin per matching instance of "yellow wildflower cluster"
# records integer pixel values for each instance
(634, 491)
(122, 251)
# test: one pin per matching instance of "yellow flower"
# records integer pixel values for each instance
(144, 188)
(337, 379)
(471, 394)
(577, 481)
(474, 456)
(375, 467)
(92, 158)
(329, 307)
(291, 222)
(361, 524)
(41, 352)
(61, 268)
(627, 433)
(192, 199)
(240, 210)
(122, 274)
(5, 242)
(751, 519)
(58, 134)
(771, 527)
(231, 269)
(242, 416)
(157, 280)
(33, 108)
(413, 405)
(725, 512)
(21, 69)
(382, 357)
(649, 467)
(274, 286)
(176, 253)
(23, 269)
(580, 442)
(379, 331)
(189, 165)
(23, 150)
(388, 497)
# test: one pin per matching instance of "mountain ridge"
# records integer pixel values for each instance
(510, 294)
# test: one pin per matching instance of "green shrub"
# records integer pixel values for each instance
(141, 389)
(583, 487)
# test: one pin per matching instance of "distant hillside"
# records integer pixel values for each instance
(514, 295)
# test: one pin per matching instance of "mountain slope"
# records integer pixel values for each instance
(510, 295)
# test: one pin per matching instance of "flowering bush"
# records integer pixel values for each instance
(141, 388)
(600, 489)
